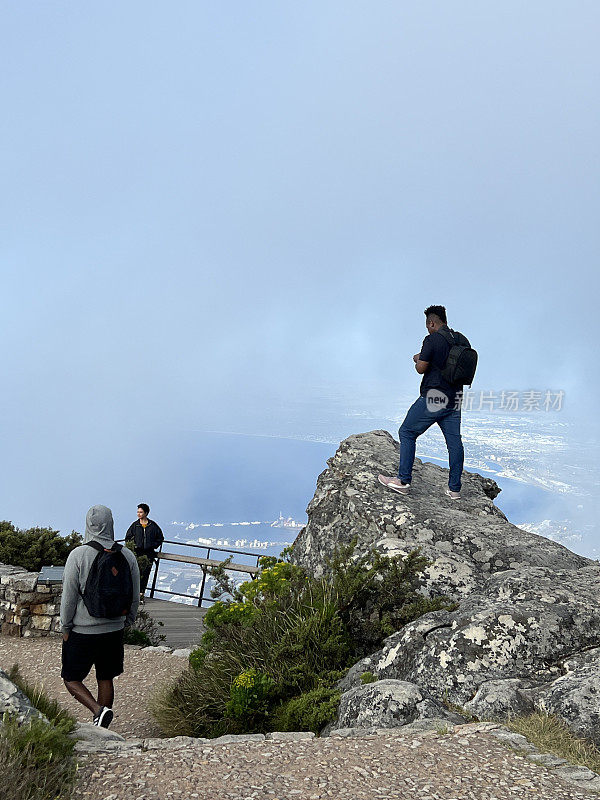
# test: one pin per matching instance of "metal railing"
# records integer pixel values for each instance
(199, 597)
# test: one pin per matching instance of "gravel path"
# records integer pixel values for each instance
(455, 766)
(40, 661)
(461, 765)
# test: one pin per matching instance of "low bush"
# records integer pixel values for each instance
(35, 548)
(310, 711)
(36, 759)
(250, 697)
(368, 677)
(144, 631)
(276, 646)
(143, 562)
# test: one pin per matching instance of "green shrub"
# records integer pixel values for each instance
(299, 634)
(135, 636)
(273, 581)
(196, 658)
(35, 548)
(38, 698)
(144, 630)
(250, 696)
(221, 614)
(38, 757)
(143, 562)
(378, 595)
(310, 711)
(368, 677)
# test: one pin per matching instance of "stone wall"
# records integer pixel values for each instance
(28, 608)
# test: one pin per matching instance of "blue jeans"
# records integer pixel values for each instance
(417, 420)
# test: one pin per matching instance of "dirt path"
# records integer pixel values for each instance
(39, 661)
(455, 766)
(462, 765)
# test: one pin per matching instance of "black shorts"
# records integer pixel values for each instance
(81, 651)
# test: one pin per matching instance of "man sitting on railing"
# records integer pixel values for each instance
(147, 536)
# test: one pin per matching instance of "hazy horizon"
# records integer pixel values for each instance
(231, 217)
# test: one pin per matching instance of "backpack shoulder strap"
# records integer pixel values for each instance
(116, 548)
(461, 339)
(95, 545)
(448, 335)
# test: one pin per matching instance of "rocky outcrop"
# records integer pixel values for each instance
(526, 632)
(14, 703)
(389, 704)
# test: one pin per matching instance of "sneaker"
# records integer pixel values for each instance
(453, 495)
(395, 484)
(104, 717)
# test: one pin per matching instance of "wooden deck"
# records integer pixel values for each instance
(183, 625)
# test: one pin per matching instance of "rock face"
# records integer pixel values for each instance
(14, 702)
(388, 704)
(526, 632)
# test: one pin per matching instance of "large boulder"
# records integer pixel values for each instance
(575, 694)
(523, 624)
(388, 704)
(527, 625)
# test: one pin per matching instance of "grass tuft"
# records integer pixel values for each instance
(38, 698)
(368, 677)
(37, 759)
(551, 735)
(460, 710)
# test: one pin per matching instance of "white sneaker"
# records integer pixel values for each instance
(453, 495)
(395, 484)
(104, 717)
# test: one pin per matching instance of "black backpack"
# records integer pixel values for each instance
(108, 589)
(462, 359)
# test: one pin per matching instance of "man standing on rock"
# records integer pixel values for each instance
(439, 401)
(101, 584)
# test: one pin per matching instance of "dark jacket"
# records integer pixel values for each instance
(148, 538)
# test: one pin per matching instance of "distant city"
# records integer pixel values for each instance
(186, 579)
(280, 522)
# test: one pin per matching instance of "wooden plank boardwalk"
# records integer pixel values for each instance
(183, 624)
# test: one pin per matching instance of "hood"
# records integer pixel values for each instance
(99, 525)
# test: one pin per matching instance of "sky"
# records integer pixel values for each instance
(214, 213)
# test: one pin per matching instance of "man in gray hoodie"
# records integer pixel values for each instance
(90, 640)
